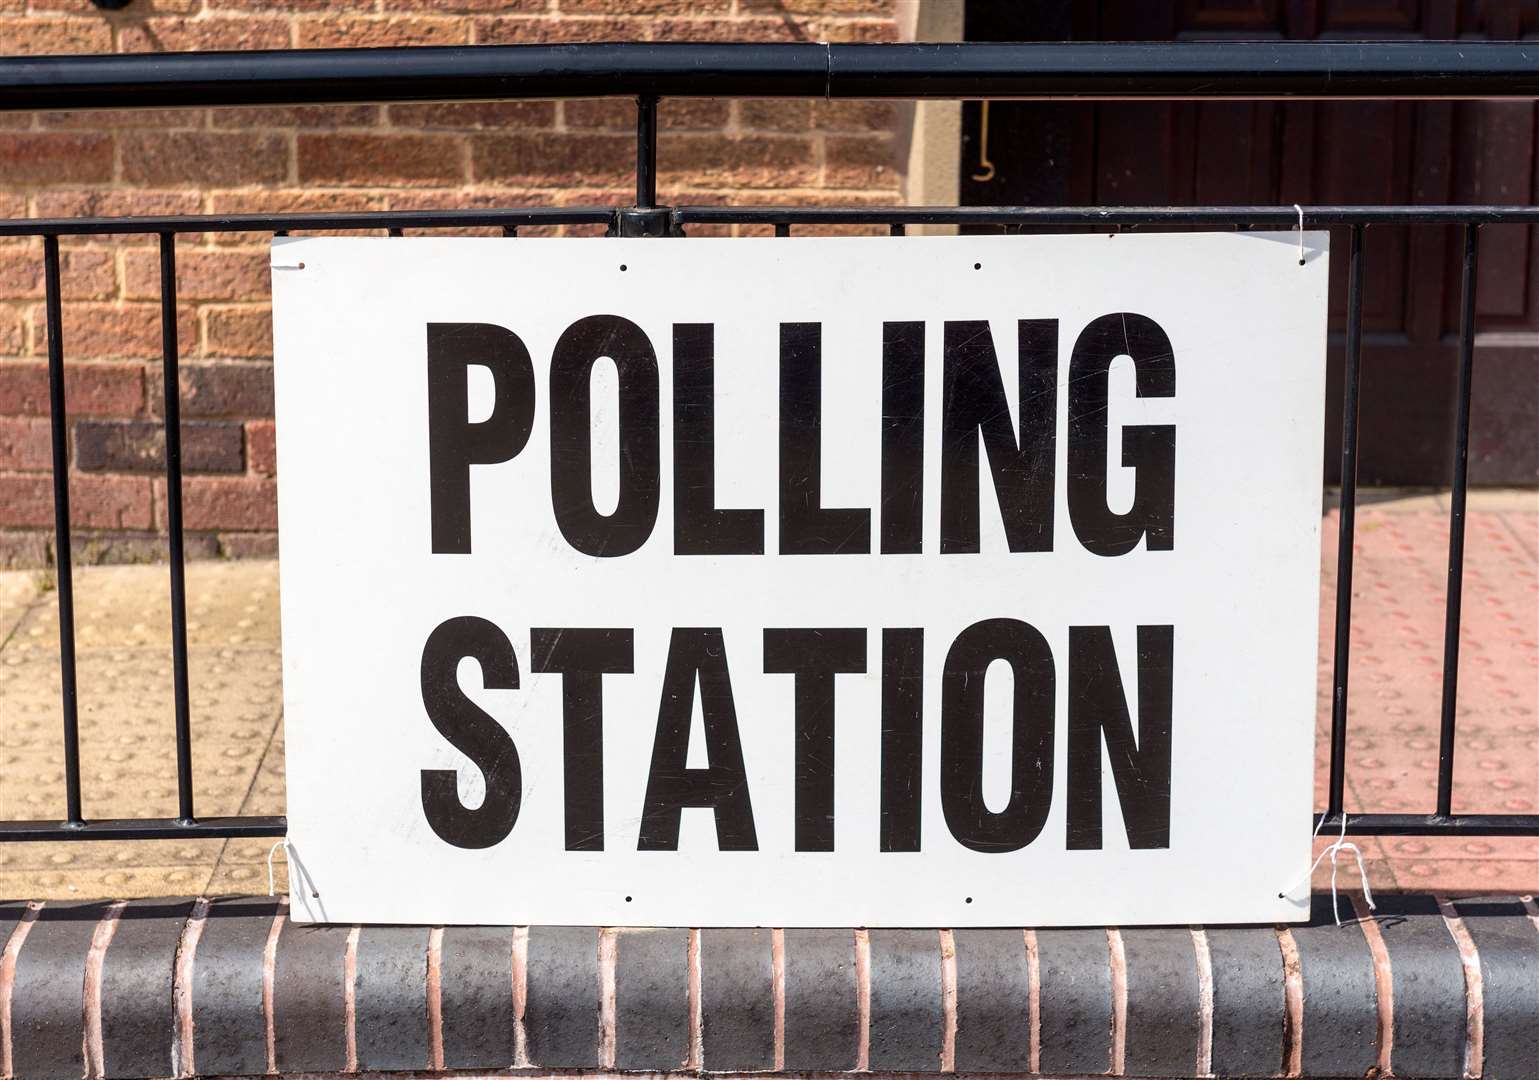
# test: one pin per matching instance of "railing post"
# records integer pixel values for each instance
(646, 218)
(172, 390)
(646, 151)
(65, 582)
(1451, 614)
(1351, 380)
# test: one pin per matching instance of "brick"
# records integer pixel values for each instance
(1428, 979)
(1163, 1000)
(470, 115)
(784, 28)
(113, 119)
(377, 160)
(110, 502)
(651, 999)
(1509, 973)
(139, 446)
(907, 1017)
(89, 389)
(461, 199)
(553, 158)
(1248, 1001)
(476, 996)
(881, 8)
(47, 1021)
(229, 1027)
(855, 115)
(737, 1000)
(13, 339)
(138, 1020)
(854, 31)
(390, 995)
(297, 116)
(261, 448)
(200, 275)
(23, 550)
(362, 32)
(26, 444)
(309, 1024)
(94, 330)
(268, 6)
(457, 7)
(993, 991)
(203, 158)
(251, 545)
(119, 203)
(518, 30)
(858, 161)
(290, 201)
(1340, 996)
(11, 914)
(1076, 1000)
(54, 37)
(100, 502)
(738, 160)
(217, 502)
(238, 332)
(647, 7)
(561, 1006)
(775, 114)
(822, 1011)
(141, 7)
(619, 114)
(55, 157)
(83, 275)
(204, 34)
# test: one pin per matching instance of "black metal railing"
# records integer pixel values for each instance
(1406, 70)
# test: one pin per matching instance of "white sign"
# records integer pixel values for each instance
(878, 582)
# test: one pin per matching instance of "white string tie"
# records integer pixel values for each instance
(1297, 207)
(1341, 844)
(284, 844)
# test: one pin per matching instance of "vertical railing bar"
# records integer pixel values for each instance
(395, 232)
(1348, 520)
(782, 228)
(1453, 609)
(58, 423)
(646, 151)
(173, 434)
(897, 228)
(510, 231)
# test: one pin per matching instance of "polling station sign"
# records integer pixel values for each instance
(800, 582)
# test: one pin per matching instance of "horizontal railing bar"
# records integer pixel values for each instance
(170, 829)
(1083, 69)
(362, 219)
(1430, 824)
(1285, 217)
(143, 829)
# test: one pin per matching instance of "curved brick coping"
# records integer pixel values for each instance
(184, 987)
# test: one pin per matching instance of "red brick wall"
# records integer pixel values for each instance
(356, 157)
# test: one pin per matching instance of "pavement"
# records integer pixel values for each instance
(128, 763)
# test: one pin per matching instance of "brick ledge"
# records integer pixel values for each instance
(183, 987)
